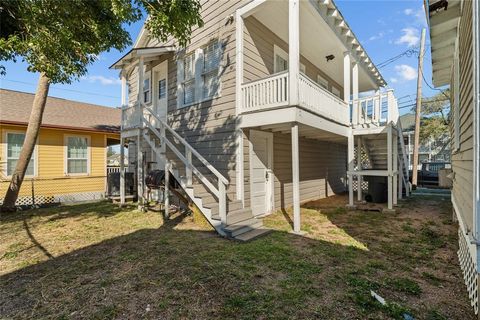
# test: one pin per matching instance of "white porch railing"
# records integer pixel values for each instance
(131, 116)
(265, 93)
(322, 102)
(375, 110)
(273, 91)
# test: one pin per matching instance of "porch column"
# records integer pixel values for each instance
(293, 49)
(239, 101)
(295, 179)
(122, 141)
(350, 159)
(122, 172)
(355, 92)
(359, 168)
(395, 168)
(140, 91)
(389, 166)
(139, 169)
(346, 77)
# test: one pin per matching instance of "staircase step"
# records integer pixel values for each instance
(239, 216)
(252, 234)
(236, 229)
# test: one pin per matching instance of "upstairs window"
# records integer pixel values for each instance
(211, 64)
(322, 82)
(77, 155)
(198, 75)
(14, 147)
(146, 90)
(280, 59)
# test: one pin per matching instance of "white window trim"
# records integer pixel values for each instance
(5, 152)
(277, 51)
(322, 80)
(147, 76)
(198, 76)
(65, 155)
(336, 92)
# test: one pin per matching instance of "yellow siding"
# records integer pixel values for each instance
(51, 178)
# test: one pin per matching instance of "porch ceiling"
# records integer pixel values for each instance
(305, 131)
(317, 40)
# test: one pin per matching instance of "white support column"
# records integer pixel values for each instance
(140, 189)
(377, 105)
(293, 50)
(347, 65)
(238, 98)
(350, 159)
(389, 166)
(124, 90)
(139, 110)
(188, 167)
(395, 167)
(359, 167)
(295, 179)
(166, 196)
(122, 172)
(400, 178)
(361, 118)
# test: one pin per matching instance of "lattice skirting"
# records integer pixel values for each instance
(59, 198)
(364, 185)
(466, 258)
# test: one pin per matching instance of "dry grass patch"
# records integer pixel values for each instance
(109, 263)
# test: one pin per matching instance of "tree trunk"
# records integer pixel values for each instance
(28, 145)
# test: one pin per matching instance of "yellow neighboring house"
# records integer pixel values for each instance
(70, 159)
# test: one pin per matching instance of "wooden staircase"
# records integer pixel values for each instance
(203, 184)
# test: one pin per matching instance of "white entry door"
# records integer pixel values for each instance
(261, 172)
(161, 92)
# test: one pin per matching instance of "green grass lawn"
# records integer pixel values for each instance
(96, 261)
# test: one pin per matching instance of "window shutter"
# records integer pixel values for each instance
(198, 74)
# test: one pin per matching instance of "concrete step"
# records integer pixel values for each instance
(253, 234)
(239, 216)
(239, 228)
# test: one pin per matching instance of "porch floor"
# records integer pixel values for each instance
(99, 261)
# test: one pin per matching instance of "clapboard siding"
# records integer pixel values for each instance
(322, 169)
(462, 163)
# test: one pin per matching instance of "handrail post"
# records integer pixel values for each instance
(188, 167)
(222, 202)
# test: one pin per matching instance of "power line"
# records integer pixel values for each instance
(64, 89)
(408, 53)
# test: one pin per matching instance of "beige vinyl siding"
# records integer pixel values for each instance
(259, 42)
(462, 164)
(322, 169)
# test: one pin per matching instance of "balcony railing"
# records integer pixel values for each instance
(375, 110)
(131, 116)
(272, 92)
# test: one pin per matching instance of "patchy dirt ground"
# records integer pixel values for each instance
(99, 262)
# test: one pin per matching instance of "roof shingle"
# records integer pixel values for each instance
(15, 108)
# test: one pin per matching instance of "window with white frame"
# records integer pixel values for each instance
(199, 75)
(146, 90)
(336, 91)
(14, 147)
(211, 64)
(189, 79)
(77, 155)
(322, 82)
(280, 59)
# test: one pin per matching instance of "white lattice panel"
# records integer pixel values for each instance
(468, 267)
(365, 161)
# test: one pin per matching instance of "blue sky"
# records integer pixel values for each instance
(385, 29)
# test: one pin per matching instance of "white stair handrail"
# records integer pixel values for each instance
(220, 191)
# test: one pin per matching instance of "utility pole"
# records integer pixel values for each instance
(418, 111)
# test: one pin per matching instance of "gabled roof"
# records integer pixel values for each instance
(134, 53)
(15, 108)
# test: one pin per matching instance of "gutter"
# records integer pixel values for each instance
(52, 126)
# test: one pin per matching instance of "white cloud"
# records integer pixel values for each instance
(393, 80)
(104, 80)
(418, 15)
(377, 36)
(410, 37)
(406, 72)
(408, 11)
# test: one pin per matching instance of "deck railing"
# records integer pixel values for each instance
(131, 116)
(375, 110)
(322, 102)
(273, 91)
(265, 93)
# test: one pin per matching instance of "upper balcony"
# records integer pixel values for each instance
(302, 55)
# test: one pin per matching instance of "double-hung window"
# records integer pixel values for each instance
(211, 63)
(198, 75)
(146, 90)
(14, 147)
(77, 155)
